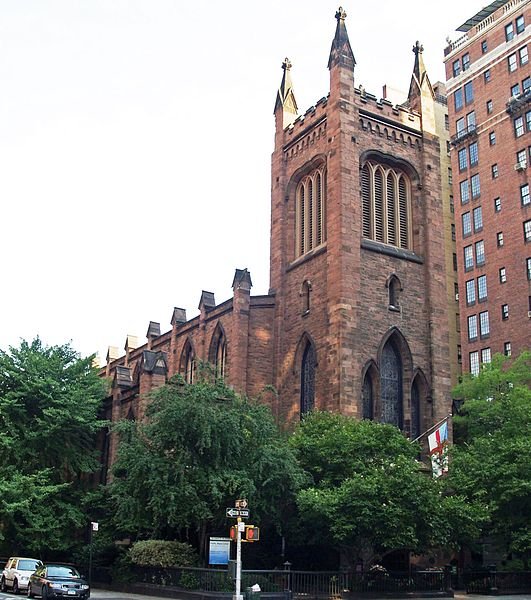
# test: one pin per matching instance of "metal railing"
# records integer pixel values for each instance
(497, 582)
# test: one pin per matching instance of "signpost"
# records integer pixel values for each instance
(238, 512)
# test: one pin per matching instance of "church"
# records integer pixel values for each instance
(356, 319)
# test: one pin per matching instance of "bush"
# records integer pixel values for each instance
(162, 553)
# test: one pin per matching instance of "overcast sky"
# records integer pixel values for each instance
(135, 144)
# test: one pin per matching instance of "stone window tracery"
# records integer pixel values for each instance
(310, 214)
(386, 205)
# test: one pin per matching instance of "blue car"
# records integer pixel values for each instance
(57, 581)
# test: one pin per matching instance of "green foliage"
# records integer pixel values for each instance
(491, 464)
(49, 401)
(368, 493)
(163, 553)
(200, 449)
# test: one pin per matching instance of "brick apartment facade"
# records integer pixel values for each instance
(357, 317)
(489, 93)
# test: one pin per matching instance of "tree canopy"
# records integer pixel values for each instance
(369, 494)
(49, 403)
(201, 447)
(491, 461)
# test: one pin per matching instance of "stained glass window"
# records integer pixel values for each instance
(308, 380)
(391, 386)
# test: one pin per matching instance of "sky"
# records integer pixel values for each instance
(136, 140)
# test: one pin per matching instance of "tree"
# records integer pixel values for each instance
(491, 461)
(201, 447)
(368, 494)
(49, 403)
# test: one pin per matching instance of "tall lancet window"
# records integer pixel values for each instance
(188, 363)
(391, 386)
(367, 397)
(221, 356)
(310, 214)
(308, 380)
(385, 205)
(415, 411)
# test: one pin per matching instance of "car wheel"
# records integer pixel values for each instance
(30, 593)
(3, 587)
(15, 587)
(44, 592)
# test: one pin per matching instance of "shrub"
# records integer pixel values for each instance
(162, 553)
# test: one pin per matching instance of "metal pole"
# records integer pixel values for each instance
(448, 416)
(238, 595)
(90, 558)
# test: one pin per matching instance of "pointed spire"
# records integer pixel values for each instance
(285, 96)
(341, 51)
(421, 96)
(419, 79)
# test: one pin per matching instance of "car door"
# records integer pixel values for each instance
(10, 568)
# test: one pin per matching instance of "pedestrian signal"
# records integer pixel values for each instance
(233, 533)
(252, 533)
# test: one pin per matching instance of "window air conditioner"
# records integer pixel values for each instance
(457, 297)
(529, 313)
(519, 166)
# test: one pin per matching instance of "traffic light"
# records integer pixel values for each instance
(252, 533)
(233, 533)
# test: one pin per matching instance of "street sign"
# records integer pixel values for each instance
(242, 503)
(237, 512)
(95, 526)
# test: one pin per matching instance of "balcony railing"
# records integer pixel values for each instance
(517, 103)
(464, 134)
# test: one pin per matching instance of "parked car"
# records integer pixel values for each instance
(16, 573)
(57, 581)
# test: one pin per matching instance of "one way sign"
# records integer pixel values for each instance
(237, 512)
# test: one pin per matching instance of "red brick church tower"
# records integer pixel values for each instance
(356, 319)
(357, 252)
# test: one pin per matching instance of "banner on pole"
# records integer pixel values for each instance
(438, 443)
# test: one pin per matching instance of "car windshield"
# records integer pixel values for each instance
(28, 565)
(61, 571)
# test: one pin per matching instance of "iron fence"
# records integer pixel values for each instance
(496, 582)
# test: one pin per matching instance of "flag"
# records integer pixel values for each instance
(438, 443)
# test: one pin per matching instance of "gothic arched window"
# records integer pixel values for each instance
(415, 411)
(391, 386)
(188, 363)
(394, 291)
(308, 380)
(385, 204)
(310, 215)
(306, 289)
(220, 356)
(367, 397)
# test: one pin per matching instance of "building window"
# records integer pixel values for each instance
(471, 121)
(492, 138)
(524, 194)
(470, 292)
(489, 106)
(507, 348)
(469, 92)
(528, 267)
(474, 362)
(523, 55)
(486, 76)
(526, 84)
(450, 179)
(499, 239)
(188, 365)
(219, 354)
(453, 232)
(505, 311)
(466, 61)
(484, 46)
(467, 224)
(509, 32)
(462, 159)
(456, 67)
(494, 170)
(472, 321)
(484, 327)
(528, 120)
(502, 274)
(454, 261)
(386, 199)
(311, 211)
(452, 205)
(485, 356)
(448, 147)
(527, 231)
(515, 90)
(459, 354)
(391, 386)
(512, 62)
(482, 288)
(469, 258)
(447, 122)
(520, 24)
(464, 188)
(519, 126)
(305, 292)
(473, 148)
(475, 186)
(497, 204)
(458, 99)
(457, 322)
(456, 292)
(460, 127)
(415, 411)
(367, 397)
(480, 253)
(521, 160)
(307, 380)
(478, 219)
(394, 292)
